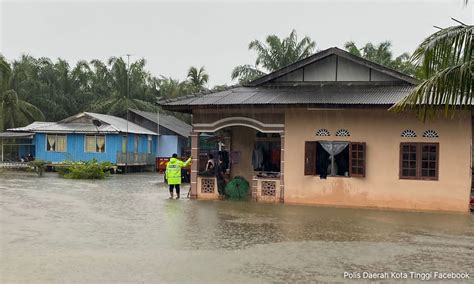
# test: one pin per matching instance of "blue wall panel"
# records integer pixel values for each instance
(76, 148)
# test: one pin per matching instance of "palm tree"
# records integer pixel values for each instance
(172, 88)
(274, 54)
(382, 54)
(197, 78)
(446, 59)
(124, 88)
(13, 111)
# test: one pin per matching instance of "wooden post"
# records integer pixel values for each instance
(195, 163)
(282, 168)
(2, 150)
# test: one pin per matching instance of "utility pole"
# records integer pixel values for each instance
(128, 97)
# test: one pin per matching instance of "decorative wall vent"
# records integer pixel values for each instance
(343, 133)
(408, 133)
(207, 185)
(323, 132)
(430, 133)
(268, 188)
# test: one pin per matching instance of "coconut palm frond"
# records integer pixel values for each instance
(450, 88)
(446, 60)
(246, 73)
(443, 48)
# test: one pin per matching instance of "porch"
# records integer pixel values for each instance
(251, 146)
(16, 148)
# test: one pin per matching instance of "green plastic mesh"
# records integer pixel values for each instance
(237, 188)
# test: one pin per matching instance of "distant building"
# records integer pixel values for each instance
(88, 136)
(173, 133)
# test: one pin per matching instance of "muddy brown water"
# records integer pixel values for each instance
(125, 230)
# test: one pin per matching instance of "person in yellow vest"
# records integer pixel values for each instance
(173, 173)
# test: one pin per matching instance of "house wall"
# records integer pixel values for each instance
(335, 68)
(168, 145)
(381, 187)
(76, 148)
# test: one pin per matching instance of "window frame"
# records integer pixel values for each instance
(56, 136)
(364, 159)
(310, 162)
(95, 138)
(419, 162)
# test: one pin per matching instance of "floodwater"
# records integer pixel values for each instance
(125, 230)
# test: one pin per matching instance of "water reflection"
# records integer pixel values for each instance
(125, 229)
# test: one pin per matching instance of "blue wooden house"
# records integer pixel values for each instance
(88, 136)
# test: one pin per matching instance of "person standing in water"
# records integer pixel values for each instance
(173, 173)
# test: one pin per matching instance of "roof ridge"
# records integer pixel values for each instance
(198, 94)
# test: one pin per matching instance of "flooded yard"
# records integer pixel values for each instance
(125, 230)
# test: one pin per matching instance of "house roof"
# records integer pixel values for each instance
(328, 52)
(168, 121)
(11, 135)
(267, 90)
(110, 124)
(330, 94)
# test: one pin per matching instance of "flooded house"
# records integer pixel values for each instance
(88, 136)
(319, 132)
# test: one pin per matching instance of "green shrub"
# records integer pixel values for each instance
(84, 170)
(237, 188)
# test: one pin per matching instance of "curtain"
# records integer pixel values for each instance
(90, 144)
(100, 143)
(51, 142)
(150, 144)
(333, 148)
(124, 144)
(61, 143)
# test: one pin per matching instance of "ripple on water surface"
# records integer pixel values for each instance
(125, 229)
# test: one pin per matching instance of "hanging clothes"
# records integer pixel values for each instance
(257, 158)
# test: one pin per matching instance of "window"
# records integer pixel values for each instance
(150, 144)
(56, 143)
(357, 159)
(95, 143)
(334, 158)
(124, 144)
(419, 161)
(135, 143)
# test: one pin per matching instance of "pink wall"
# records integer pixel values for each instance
(381, 187)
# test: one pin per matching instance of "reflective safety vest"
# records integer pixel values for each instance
(173, 170)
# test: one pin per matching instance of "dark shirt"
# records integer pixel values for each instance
(220, 171)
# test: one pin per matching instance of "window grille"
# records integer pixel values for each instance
(323, 132)
(430, 133)
(343, 133)
(408, 133)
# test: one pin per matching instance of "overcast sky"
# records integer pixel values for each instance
(172, 36)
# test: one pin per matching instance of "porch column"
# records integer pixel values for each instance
(282, 168)
(195, 163)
